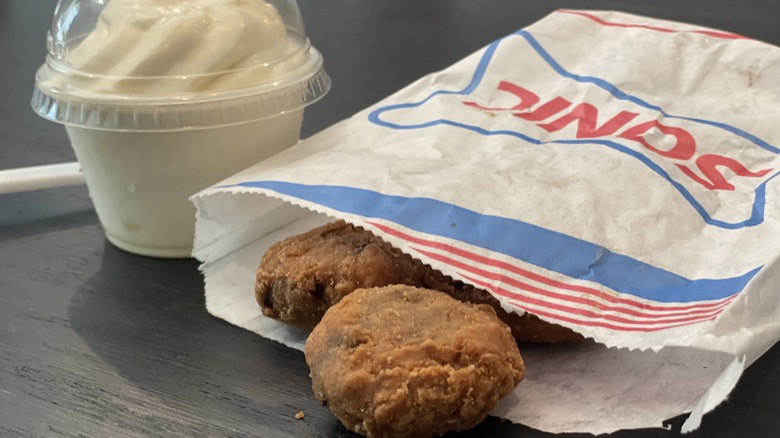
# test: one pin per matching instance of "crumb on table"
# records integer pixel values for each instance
(299, 415)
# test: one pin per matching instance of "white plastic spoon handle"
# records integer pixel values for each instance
(26, 179)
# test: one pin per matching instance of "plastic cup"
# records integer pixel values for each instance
(147, 135)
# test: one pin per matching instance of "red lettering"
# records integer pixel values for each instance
(715, 180)
(546, 110)
(586, 116)
(684, 146)
(527, 98)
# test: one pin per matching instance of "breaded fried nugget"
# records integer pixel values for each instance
(400, 361)
(302, 276)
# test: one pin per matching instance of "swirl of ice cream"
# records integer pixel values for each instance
(164, 47)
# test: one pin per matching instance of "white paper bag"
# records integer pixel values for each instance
(609, 173)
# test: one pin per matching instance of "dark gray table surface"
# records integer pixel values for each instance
(98, 342)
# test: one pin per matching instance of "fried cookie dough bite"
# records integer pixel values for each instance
(300, 277)
(400, 361)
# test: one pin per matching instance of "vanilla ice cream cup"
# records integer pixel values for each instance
(162, 98)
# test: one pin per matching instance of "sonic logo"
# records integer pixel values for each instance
(682, 148)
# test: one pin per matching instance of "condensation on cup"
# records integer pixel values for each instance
(162, 98)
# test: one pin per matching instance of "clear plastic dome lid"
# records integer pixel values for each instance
(149, 65)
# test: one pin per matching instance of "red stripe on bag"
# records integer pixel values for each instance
(553, 316)
(591, 316)
(546, 280)
(563, 297)
(712, 33)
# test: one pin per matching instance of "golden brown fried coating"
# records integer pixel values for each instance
(400, 361)
(300, 277)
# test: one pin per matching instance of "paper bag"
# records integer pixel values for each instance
(606, 172)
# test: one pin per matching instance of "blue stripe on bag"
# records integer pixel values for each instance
(551, 250)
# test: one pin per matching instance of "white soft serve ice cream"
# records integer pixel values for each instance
(173, 46)
(162, 98)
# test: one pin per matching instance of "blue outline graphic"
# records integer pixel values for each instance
(553, 251)
(757, 210)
